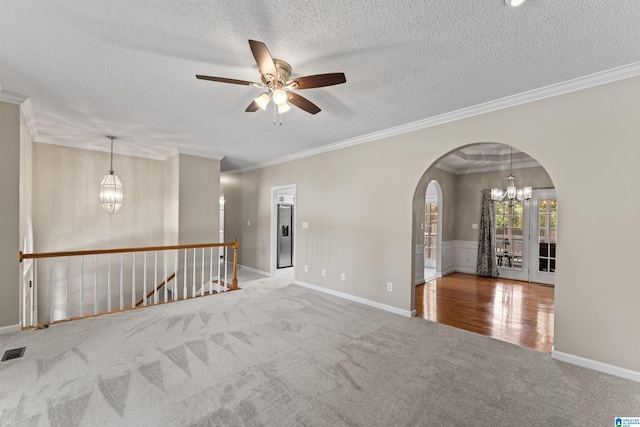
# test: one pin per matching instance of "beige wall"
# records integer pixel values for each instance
(230, 187)
(361, 209)
(67, 214)
(468, 195)
(199, 193)
(10, 213)
(171, 200)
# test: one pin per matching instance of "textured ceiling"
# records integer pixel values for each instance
(127, 68)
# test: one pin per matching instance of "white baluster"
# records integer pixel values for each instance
(51, 320)
(144, 281)
(210, 271)
(81, 286)
(225, 269)
(202, 275)
(109, 283)
(121, 281)
(184, 292)
(175, 276)
(66, 290)
(95, 284)
(193, 291)
(166, 285)
(35, 292)
(218, 281)
(155, 278)
(133, 280)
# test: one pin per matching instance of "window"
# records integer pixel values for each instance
(431, 231)
(548, 217)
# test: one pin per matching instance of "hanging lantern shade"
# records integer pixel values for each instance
(111, 193)
(111, 188)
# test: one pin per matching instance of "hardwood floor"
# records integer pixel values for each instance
(509, 310)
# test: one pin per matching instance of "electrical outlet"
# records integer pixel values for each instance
(248, 223)
(306, 268)
(323, 272)
(343, 277)
(390, 286)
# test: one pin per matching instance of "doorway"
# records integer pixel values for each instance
(432, 232)
(525, 244)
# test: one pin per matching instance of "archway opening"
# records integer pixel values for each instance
(516, 302)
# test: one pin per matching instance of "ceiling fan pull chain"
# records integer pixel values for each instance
(274, 113)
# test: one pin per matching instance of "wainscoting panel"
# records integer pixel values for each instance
(448, 265)
(419, 264)
(466, 256)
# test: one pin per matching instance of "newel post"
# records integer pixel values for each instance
(234, 282)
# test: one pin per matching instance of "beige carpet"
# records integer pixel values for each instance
(275, 354)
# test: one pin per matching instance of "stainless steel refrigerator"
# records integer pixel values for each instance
(285, 236)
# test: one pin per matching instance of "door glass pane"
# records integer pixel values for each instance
(431, 230)
(548, 217)
(509, 235)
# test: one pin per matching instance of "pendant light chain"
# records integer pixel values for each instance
(112, 138)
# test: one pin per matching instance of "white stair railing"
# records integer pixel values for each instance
(60, 282)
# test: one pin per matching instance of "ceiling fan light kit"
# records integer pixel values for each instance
(514, 3)
(275, 77)
(263, 100)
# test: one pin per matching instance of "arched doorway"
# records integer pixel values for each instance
(432, 232)
(517, 300)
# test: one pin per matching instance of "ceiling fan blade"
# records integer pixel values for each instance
(263, 58)
(226, 80)
(303, 103)
(252, 107)
(318, 80)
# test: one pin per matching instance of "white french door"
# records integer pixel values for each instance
(526, 238)
(544, 228)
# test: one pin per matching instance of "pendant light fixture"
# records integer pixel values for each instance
(111, 188)
(512, 193)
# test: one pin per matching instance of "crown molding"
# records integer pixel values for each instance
(198, 153)
(488, 168)
(12, 97)
(30, 118)
(573, 85)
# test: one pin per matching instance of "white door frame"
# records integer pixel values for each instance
(273, 265)
(534, 274)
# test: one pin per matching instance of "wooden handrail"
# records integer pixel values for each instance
(171, 277)
(23, 256)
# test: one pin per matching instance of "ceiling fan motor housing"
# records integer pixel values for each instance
(284, 72)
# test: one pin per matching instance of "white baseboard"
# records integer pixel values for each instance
(10, 329)
(263, 273)
(596, 366)
(385, 307)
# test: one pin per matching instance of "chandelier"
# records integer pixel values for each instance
(512, 193)
(111, 188)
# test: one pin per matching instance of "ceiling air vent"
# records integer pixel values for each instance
(14, 353)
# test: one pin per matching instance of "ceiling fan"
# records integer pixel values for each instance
(275, 76)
